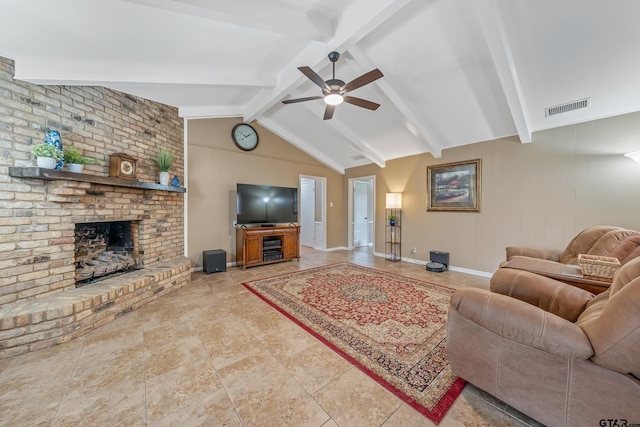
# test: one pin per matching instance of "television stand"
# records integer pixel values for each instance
(267, 245)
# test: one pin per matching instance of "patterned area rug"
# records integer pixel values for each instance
(391, 327)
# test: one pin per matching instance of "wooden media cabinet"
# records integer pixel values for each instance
(267, 245)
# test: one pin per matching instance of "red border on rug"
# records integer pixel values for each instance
(441, 408)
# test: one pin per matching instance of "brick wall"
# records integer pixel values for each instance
(37, 217)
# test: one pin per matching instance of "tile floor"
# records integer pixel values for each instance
(213, 354)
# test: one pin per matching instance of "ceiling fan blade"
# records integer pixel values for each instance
(364, 79)
(309, 98)
(328, 112)
(314, 77)
(361, 102)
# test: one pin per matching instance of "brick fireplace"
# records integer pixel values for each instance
(39, 302)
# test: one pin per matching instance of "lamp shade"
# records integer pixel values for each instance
(394, 200)
(635, 156)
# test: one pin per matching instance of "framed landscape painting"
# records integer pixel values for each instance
(454, 186)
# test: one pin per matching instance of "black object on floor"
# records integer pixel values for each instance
(214, 261)
(439, 261)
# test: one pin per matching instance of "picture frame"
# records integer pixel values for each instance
(454, 187)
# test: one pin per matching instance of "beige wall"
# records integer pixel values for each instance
(538, 194)
(215, 166)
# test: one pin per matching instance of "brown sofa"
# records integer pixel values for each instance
(597, 240)
(553, 351)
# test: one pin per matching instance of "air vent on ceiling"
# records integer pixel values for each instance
(357, 157)
(569, 106)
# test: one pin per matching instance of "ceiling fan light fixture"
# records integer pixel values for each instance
(333, 99)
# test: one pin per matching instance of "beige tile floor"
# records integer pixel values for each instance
(213, 354)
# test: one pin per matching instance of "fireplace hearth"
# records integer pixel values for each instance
(103, 249)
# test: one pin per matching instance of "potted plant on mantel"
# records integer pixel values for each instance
(47, 155)
(164, 161)
(75, 161)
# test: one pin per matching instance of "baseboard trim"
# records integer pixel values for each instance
(451, 267)
(470, 271)
(196, 269)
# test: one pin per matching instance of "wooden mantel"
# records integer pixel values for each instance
(53, 174)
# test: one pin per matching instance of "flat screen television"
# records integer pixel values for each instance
(266, 204)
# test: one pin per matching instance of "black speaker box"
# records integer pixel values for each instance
(214, 261)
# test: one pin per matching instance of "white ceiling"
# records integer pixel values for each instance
(456, 72)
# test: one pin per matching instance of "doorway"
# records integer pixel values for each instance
(361, 213)
(313, 212)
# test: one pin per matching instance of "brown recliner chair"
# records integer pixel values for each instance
(553, 351)
(597, 240)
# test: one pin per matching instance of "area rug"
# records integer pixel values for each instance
(391, 327)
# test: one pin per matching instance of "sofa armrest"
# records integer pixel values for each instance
(551, 295)
(521, 322)
(551, 255)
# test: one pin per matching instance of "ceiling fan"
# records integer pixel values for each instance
(334, 90)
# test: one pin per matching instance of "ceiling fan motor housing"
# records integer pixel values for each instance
(335, 85)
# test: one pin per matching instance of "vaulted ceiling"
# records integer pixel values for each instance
(456, 72)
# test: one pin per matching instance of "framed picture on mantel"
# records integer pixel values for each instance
(454, 186)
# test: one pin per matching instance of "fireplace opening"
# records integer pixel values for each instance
(103, 249)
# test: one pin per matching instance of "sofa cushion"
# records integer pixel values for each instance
(522, 251)
(613, 324)
(603, 241)
(556, 297)
(521, 322)
(622, 244)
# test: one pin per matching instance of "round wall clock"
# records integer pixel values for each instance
(244, 136)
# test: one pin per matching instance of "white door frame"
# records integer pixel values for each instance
(320, 226)
(350, 209)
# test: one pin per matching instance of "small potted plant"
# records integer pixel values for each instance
(47, 155)
(392, 220)
(75, 161)
(164, 161)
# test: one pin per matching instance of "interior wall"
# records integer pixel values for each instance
(539, 194)
(216, 166)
